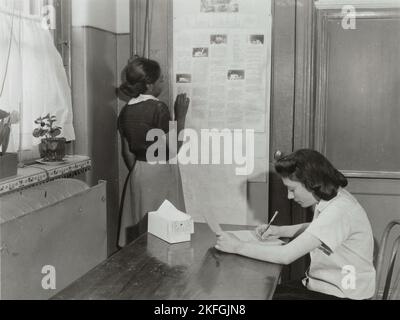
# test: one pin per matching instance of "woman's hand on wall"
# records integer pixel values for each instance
(181, 106)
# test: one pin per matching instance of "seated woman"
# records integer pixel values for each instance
(339, 239)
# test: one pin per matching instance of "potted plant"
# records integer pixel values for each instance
(8, 161)
(51, 148)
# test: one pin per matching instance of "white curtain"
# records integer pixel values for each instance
(35, 79)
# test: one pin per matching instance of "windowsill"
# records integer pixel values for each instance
(37, 173)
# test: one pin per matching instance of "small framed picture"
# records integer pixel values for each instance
(257, 39)
(236, 75)
(200, 52)
(218, 39)
(219, 6)
(183, 78)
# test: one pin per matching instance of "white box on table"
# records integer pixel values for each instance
(170, 224)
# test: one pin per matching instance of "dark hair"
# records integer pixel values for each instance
(139, 73)
(314, 171)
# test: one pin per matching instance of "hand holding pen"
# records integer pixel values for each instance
(267, 231)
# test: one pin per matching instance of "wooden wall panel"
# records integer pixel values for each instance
(357, 90)
(282, 100)
(363, 114)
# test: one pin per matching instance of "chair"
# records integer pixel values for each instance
(390, 286)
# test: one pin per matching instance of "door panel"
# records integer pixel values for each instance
(359, 94)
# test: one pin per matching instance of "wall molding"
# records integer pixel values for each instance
(100, 29)
(380, 187)
(358, 4)
(372, 174)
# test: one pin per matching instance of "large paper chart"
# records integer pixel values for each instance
(221, 59)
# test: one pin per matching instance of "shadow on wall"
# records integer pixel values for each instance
(103, 141)
(376, 251)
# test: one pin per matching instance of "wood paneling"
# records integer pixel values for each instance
(304, 98)
(358, 96)
(290, 105)
(282, 100)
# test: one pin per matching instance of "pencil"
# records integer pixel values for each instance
(272, 220)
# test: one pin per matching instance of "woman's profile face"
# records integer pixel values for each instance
(298, 193)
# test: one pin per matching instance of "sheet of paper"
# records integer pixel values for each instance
(250, 236)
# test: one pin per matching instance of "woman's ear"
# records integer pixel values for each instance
(149, 87)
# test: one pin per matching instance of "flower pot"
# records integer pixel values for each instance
(8, 165)
(52, 149)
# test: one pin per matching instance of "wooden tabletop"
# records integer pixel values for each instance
(151, 269)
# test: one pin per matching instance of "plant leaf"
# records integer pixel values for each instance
(1, 131)
(3, 114)
(56, 132)
(6, 138)
(36, 133)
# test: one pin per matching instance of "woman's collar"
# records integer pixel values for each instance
(322, 204)
(141, 98)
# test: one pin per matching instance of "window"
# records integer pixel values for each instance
(35, 68)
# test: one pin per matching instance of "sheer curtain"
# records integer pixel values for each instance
(33, 80)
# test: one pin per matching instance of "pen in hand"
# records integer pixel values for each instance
(269, 224)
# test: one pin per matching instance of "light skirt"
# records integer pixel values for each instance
(148, 187)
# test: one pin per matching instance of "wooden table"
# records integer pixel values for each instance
(151, 269)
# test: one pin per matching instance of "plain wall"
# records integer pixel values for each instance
(100, 47)
(110, 15)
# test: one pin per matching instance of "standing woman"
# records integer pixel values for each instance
(147, 185)
(339, 239)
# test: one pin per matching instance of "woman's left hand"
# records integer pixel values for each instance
(227, 242)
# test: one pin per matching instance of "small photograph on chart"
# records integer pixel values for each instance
(183, 78)
(200, 52)
(219, 6)
(219, 39)
(257, 39)
(236, 75)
